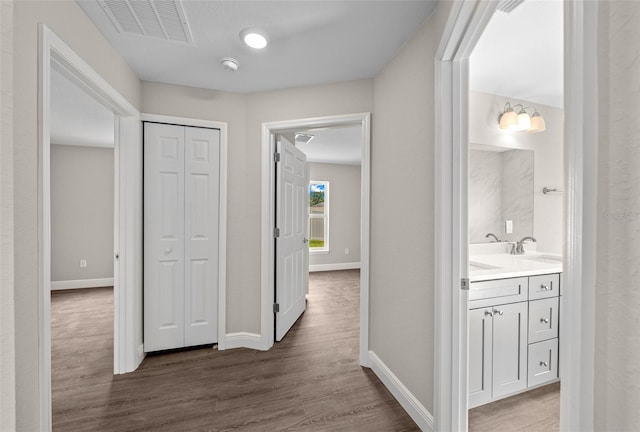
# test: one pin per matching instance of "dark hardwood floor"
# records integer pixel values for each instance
(309, 382)
(533, 411)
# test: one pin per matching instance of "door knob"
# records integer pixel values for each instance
(168, 250)
(306, 240)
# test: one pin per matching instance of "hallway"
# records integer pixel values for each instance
(311, 381)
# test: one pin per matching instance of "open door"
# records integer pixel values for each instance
(292, 244)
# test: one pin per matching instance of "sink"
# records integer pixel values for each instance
(545, 259)
(475, 265)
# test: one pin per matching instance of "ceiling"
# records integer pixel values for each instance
(310, 42)
(520, 54)
(76, 117)
(339, 145)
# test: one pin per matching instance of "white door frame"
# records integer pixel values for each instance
(127, 225)
(222, 209)
(466, 22)
(268, 220)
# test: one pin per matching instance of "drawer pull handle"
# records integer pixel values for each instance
(544, 287)
(488, 313)
(544, 320)
(544, 363)
(498, 311)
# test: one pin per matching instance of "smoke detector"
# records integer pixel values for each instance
(230, 63)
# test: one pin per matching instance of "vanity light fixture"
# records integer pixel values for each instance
(510, 120)
(253, 38)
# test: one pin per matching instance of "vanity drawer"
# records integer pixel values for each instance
(499, 291)
(543, 319)
(543, 362)
(544, 286)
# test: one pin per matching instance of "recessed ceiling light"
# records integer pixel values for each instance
(230, 63)
(253, 38)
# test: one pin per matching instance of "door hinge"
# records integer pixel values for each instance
(276, 307)
(276, 232)
(276, 157)
(464, 284)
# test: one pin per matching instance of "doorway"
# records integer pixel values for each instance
(270, 130)
(127, 269)
(466, 23)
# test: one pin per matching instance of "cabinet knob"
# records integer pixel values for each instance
(488, 313)
(545, 287)
(544, 320)
(498, 311)
(544, 363)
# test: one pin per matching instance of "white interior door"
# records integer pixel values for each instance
(163, 236)
(202, 185)
(292, 245)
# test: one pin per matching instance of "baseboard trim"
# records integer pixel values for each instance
(333, 267)
(419, 414)
(81, 283)
(242, 340)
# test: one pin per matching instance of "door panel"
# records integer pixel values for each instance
(509, 348)
(202, 183)
(163, 236)
(292, 249)
(480, 356)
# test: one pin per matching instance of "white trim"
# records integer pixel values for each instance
(243, 340)
(267, 241)
(579, 280)
(81, 283)
(333, 267)
(409, 402)
(222, 216)
(128, 269)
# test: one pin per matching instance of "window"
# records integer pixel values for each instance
(319, 216)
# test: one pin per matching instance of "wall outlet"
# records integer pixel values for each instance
(83, 263)
(346, 251)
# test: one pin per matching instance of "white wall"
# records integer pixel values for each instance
(617, 302)
(344, 213)
(548, 219)
(67, 20)
(82, 216)
(402, 236)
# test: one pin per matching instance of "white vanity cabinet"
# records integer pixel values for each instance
(513, 340)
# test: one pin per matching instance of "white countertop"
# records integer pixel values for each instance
(503, 265)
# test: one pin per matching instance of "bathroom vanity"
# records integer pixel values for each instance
(514, 303)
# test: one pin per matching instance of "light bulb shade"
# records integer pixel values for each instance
(524, 121)
(537, 124)
(508, 120)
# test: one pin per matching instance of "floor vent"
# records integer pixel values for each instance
(158, 19)
(507, 6)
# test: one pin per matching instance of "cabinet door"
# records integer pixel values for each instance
(163, 236)
(509, 349)
(480, 361)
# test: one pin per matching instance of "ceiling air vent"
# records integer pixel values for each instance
(158, 19)
(507, 6)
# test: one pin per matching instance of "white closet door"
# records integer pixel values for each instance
(202, 185)
(163, 236)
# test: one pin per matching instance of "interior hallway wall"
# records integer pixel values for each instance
(617, 302)
(344, 212)
(82, 201)
(402, 225)
(68, 21)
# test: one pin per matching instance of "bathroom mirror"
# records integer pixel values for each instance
(500, 190)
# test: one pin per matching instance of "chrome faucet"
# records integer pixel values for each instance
(518, 247)
(494, 236)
